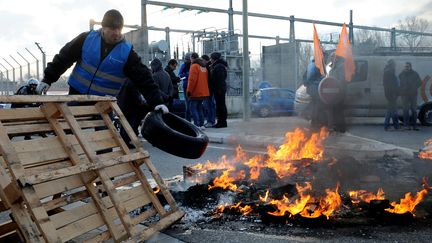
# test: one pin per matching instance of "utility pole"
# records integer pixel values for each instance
(43, 56)
(37, 64)
(21, 77)
(245, 63)
(144, 33)
(28, 64)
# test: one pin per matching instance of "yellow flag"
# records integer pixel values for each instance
(318, 52)
(344, 50)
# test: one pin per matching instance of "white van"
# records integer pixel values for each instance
(365, 93)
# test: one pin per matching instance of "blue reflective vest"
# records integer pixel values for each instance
(100, 77)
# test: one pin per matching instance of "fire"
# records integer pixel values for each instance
(408, 203)
(307, 205)
(225, 181)
(365, 196)
(285, 161)
(244, 210)
(426, 152)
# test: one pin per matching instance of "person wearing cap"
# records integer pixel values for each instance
(218, 76)
(104, 61)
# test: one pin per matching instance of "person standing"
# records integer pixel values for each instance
(313, 78)
(104, 61)
(218, 76)
(209, 103)
(197, 89)
(391, 92)
(409, 83)
(184, 75)
(170, 68)
(162, 79)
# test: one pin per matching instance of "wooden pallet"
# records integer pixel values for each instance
(76, 175)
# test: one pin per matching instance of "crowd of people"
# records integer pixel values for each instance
(106, 64)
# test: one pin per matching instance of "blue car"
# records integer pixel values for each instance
(271, 101)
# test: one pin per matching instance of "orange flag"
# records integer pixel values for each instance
(344, 50)
(318, 53)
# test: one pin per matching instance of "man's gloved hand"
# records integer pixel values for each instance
(42, 88)
(163, 108)
(188, 94)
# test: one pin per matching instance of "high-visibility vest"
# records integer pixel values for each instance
(100, 77)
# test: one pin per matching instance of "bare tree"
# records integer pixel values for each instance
(413, 23)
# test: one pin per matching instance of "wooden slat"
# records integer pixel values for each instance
(24, 128)
(76, 169)
(52, 98)
(51, 149)
(21, 114)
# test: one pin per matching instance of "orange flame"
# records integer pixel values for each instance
(408, 203)
(306, 205)
(365, 196)
(426, 153)
(245, 210)
(225, 181)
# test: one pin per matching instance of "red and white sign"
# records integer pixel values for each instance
(331, 90)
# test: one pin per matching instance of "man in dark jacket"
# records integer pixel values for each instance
(170, 68)
(409, 83)
(218, 76)
(162, 79)
(391, 92)
(104, 61)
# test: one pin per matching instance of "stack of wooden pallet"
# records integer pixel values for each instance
(73, 177)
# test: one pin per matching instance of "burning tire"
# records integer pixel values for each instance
(174, 135)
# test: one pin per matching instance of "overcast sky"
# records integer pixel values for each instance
(52, 23)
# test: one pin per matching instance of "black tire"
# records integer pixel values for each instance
(174, 135)
(425, 115)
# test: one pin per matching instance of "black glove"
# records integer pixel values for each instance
(189, 94)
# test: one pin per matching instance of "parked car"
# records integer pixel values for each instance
(271, 101)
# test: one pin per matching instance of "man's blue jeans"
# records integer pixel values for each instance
(391, 113)
(196, 109)
(209, 104)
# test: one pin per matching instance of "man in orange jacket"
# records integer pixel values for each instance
(197, 88)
